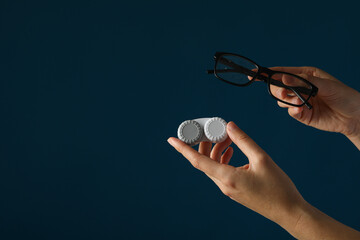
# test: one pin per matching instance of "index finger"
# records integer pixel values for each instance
(310, 71)
(293, 70)
(199, 161)
(244, 142)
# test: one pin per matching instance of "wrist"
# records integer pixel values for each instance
(306, 216)
(310, 223)
(292, 218)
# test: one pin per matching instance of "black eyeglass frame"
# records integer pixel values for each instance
(267, 79)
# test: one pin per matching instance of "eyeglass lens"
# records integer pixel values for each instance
(235, 69)
(285, 87)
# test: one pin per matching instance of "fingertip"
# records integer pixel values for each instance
(233, 131)
(282, 105)
(205, 148)
(295, 112)
(225, 158)
(169, 140)
(173, 141)
(229, 149)
(298, 110)
(231, 126)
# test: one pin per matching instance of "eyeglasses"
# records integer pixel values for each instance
(285, 87)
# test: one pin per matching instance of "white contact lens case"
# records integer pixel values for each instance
(193, 132)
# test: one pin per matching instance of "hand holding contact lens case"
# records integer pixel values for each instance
(193, 132)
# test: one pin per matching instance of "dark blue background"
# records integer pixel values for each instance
(91, 90)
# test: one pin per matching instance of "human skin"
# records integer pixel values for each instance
(261, 185)
(336, 108)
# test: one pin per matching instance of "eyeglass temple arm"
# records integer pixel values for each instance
(307, 104)
(248, 72)
(273, 82)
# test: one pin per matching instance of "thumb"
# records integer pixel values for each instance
(244, 142)
(296, 112)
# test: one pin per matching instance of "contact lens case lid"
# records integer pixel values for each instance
(189, 132)
(215, 129)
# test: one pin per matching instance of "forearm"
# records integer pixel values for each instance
(311, 223)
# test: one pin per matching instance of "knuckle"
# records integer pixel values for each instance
(318, 72)
(310, 70)
(263, 159)
(196, 164)
(227, 192)
(315, 69)
(242, 137)
(229, 181)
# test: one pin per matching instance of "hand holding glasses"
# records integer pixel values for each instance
(284, 87)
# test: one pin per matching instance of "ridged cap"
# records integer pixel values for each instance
(189, 132)
(215, 129)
